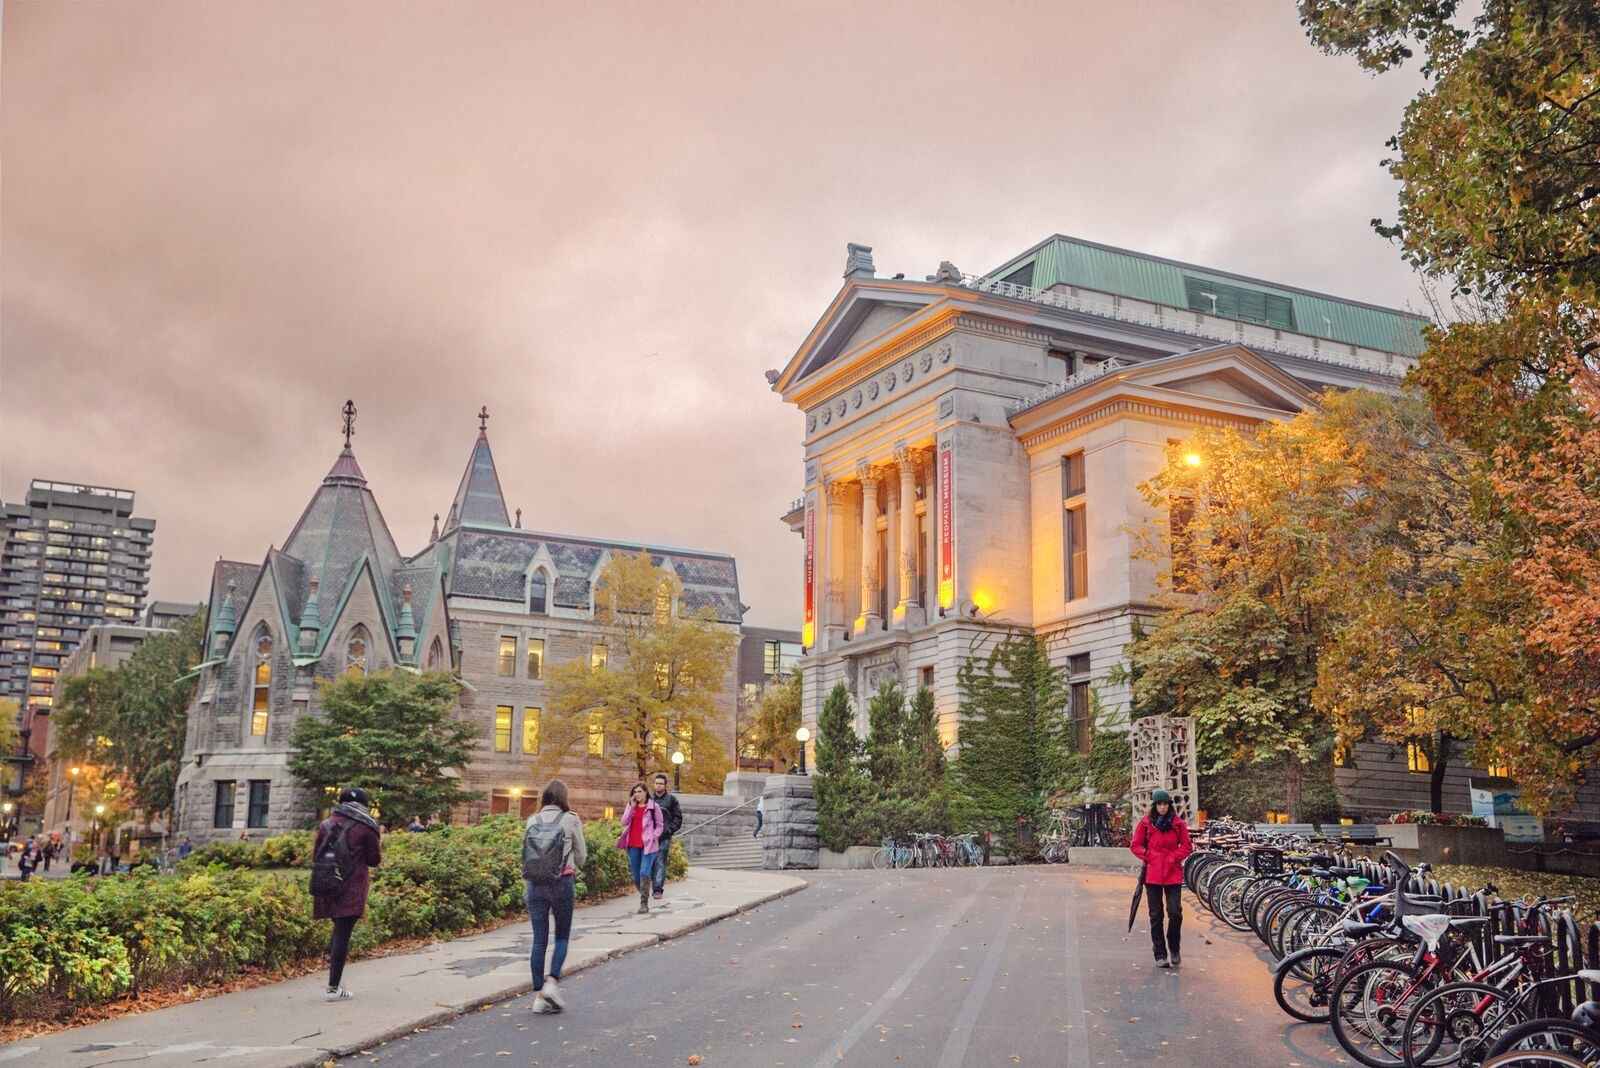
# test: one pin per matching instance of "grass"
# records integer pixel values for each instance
(1515, 883)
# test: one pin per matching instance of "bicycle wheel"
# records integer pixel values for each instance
(1215, 880)
(1308, 926)
(1534, 1059)
(1369, 1006)
(1549, 1036)
(1301, 984)
(904, 856)
(1454, 1024)
(1229, 898)
(882, 857)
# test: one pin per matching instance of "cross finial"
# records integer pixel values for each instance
(519, 518)
(483, 418)
(349, 421)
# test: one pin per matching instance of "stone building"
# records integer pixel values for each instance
(485, 597)
(974, 445)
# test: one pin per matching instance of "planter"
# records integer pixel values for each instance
(1436, 844)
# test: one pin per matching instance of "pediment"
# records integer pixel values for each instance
(862, 312)
(1234, 385)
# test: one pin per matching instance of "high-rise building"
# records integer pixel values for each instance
(74, 556)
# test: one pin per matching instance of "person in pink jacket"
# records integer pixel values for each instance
(641, 837)
(1162, 841)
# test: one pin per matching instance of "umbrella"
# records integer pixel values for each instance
(1138, 892)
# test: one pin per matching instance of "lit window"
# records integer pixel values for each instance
(539, 593)
(530, 730)
(1074, 528)
(502, 729)
(597, 736)
(261, 699)
(1341, 756)
(1417, 758)
(1498, 771)
(508, 656)
(535, 658)
(598, 657)
(355, 652)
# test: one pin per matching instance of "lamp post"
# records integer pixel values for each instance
(72, 788)
(5, 821)
(677, 768)
(802, 736)
(94, 839)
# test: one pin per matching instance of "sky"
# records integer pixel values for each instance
(603, 221)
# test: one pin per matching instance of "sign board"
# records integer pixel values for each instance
(1500, 802)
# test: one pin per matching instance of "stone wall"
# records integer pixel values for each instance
(789, 831)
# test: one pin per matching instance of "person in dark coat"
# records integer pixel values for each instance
(364, 842)
(1162, 841)
(29, 860)
(672, 813)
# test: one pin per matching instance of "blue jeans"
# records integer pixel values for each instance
(640, 863)
(543, 901)
(658, 870)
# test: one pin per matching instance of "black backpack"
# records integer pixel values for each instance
(333, 865)
(544, 848)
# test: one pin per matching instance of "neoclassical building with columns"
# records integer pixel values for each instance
(974, 447)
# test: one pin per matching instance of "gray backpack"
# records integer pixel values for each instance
(544, 849)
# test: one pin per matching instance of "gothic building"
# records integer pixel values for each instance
(484, 596)
(974, 446)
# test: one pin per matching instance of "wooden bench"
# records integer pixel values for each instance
(1356, 833)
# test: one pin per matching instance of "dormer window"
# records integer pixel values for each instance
(539, 593)
(355, 652)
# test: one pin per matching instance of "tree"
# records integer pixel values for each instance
(1016, 742)
(772, 721)
(921, 746)
(843, 791)
(886, 723)
(658, 687)
(132, 719)
(10, 733)
(392, 733)
(1499, 195)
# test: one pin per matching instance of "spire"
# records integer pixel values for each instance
(435, 535)
(345, 470)
(478, 499)
(405, 631)
(311, 620)
(519, 518)
(227, 623)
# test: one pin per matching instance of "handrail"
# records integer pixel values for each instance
(718, 816)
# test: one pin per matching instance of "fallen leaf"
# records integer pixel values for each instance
(694, 1059)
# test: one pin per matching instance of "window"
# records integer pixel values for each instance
(222, 805)
(778, 659)
(502, 729)
(535, 658)
(435, 653)
(260, 792)
(1341, 756)
(1417, 758)
(1499, 771)
(1080, 706)
(597, 735)
(261, 691)
(508, 656)
(598, 657)
(927, 677)
(355, 652)
(530, 730)
(539, 593)
(1074, 529)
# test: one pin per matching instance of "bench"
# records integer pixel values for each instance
(1356, 833)
(1303, 829)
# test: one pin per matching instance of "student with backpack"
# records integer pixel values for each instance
(553, 850)
(347, 844)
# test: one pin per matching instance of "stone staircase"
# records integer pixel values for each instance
(739, 854)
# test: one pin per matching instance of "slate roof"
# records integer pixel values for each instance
(242, 576)
(478, 498)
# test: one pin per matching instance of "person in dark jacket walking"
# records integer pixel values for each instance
(548, 901)
(363, 841)
(29, 860)
(1161, 840)
(672, 815)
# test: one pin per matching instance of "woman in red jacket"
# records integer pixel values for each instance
(1162, 841)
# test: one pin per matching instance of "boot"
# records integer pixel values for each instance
(644, 895)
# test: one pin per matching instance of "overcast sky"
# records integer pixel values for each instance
(602, 221)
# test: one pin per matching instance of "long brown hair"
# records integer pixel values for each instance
(555, 793)
(639, 786)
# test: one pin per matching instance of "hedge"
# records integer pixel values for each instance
(88, 940)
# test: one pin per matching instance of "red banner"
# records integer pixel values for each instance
(947, 534)
(808, 634)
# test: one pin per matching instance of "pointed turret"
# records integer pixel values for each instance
(405, 631)
(435, 535)
(227, 623)
(311, 620)
(478, 499)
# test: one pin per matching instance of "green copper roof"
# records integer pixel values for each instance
(1070, 261)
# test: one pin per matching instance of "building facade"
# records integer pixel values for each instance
(974, 445)
(491, 600)
(74, 556)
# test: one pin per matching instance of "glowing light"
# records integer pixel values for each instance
(803, 735)
(983, 600)
(808, 635)
(947, 593)
(1192, 459)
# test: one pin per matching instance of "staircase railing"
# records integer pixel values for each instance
(718, 816)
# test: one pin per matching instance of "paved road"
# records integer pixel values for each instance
(931, 969)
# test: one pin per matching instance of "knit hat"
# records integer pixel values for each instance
(353, 793)
(1160, 796)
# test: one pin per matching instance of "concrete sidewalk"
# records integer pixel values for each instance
(288, 1024)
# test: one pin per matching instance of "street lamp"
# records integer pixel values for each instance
(72, 788)
(94, 840)
(5, 821)
(802, 736)
(677, 768)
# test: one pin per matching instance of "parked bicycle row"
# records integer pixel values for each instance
(931, 851)
(1405, 971)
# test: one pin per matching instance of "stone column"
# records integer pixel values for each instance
(835, 620)
(908, 612)
(869, 618)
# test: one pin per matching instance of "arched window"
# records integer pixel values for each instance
(355, 652)
(539, 593)
(435, 654)
(261, 690)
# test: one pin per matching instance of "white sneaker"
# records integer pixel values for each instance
(552, 994)
(540, 1004)
(338, 993)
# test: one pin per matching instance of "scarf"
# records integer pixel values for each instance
(1162, 822)
(355, 811)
